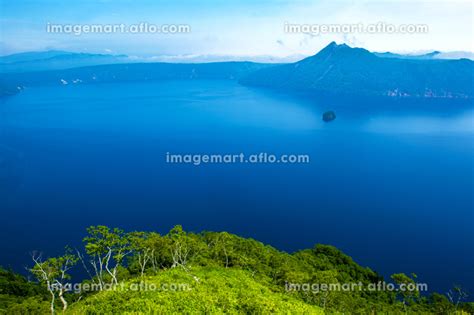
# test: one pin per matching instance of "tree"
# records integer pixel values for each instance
(222, 246)
(180, 249)
(53, 273)
(329, 291)
(440, 303)
(158, 246)
(183, 247)
(107, 249)
(456, 295)
(144, 245)
(408, 290)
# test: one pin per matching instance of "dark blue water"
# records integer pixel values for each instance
(389, 183)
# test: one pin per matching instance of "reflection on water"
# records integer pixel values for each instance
(462, 123)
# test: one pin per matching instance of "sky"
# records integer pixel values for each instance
(234, 28)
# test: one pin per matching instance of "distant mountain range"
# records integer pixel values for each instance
(58, 60)
(431, 55)
(340, 69)
(55, 60)
(135, 72)
(336, 69)
(219, 58)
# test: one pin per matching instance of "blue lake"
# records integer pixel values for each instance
(389, 182)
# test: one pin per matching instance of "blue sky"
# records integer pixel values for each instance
(236, 28)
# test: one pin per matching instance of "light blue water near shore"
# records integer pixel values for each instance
(390, 183)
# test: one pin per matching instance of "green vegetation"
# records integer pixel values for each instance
(211, 273)
(217, 290)
(19, 296)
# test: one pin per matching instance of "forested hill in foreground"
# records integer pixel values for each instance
(210, 273)
(340, 69)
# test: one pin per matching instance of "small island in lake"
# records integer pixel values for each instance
(329, 116)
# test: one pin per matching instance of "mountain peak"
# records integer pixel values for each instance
(340, 69)
(339, 51)
(333, 46)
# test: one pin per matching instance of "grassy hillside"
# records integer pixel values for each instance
(210, 273)
(204, 290)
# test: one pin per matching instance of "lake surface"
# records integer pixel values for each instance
(389, 182)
